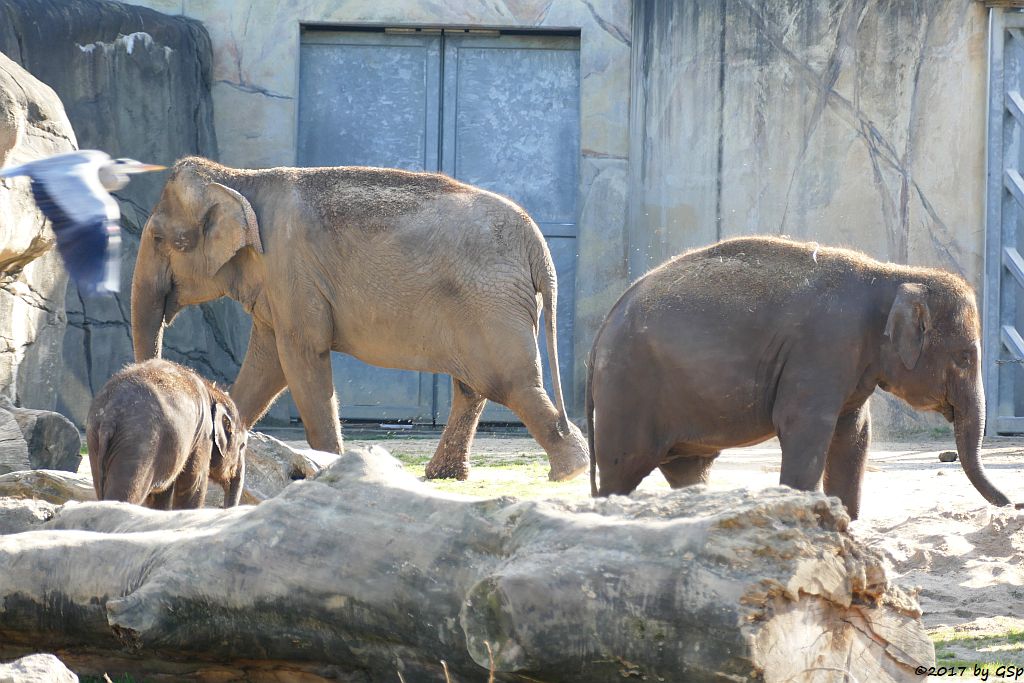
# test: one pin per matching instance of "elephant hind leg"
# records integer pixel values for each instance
(685, 468)
(451, 459)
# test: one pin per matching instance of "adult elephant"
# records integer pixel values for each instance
(755, 337)
(403, 270)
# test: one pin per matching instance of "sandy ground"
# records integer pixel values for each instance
(938, 534)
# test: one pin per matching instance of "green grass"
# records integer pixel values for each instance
(523, 475)
(986, 650)
(123, 678)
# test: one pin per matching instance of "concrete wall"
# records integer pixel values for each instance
(852, 122)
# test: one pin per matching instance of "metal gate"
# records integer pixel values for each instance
(1004, 231)
(497, 110)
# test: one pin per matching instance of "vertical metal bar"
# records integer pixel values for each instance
(993, 221)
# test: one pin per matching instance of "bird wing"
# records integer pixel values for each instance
(77, 191)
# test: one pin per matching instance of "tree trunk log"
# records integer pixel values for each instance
(13, 449)
(364, 574)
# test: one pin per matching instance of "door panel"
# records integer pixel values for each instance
(511, 125)
(498, 112)
(371, 99)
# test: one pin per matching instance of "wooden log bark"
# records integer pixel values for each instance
(54, 443)
(13, 449)
(365, 574)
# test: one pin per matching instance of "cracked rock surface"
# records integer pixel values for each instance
(32, 282)
(159, 111)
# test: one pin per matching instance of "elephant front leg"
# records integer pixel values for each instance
(847, 458)
(308, 372)
(260, 379)
(451, 459)
(805, 437)
(190, 486)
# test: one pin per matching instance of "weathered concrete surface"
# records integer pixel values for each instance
(256, 67)
(731, 585)
(32, 283)
(825, 120)
(135, 83)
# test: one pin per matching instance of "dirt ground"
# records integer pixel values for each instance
(936, 531)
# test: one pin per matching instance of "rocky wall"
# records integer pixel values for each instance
(32, 283)
(135, 83)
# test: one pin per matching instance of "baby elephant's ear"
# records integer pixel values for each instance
(223, 428)
(909, 322)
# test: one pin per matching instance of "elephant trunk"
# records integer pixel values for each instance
(968, 426)
(151, 287)
(233, 493)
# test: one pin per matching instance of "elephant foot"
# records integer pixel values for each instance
(571, 459)
(441, 469)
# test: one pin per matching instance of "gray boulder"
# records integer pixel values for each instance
(53, 442)
(13, 449)
(36, 669)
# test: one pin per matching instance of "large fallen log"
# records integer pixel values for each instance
(365, 574)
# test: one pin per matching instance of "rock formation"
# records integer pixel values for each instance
(365, 574)
(135, 83)
(32, 283)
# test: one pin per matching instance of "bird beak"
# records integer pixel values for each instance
(145, 168)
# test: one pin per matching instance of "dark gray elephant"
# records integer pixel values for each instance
(751, 338)
(157, 432)
(402, 270)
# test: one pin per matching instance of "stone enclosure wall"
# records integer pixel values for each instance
(853, 122)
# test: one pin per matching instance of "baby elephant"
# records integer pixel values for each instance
(756, 337)
(157, 431)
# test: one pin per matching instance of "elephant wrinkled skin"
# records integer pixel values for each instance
(403, 270)
(751, 338)
(158, 432)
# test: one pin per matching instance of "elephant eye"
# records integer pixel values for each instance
(965, 358)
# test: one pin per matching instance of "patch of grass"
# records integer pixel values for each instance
(123, 678)
(987, 650)
(522, 475)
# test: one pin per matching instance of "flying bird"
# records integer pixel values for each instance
(73, 191)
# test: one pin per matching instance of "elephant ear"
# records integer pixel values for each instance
(229, 225)
(223, 429)
(909, 322)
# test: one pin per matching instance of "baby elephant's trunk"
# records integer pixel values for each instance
(233, 492)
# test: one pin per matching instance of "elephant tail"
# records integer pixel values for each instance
(546, 282)
(589, 407)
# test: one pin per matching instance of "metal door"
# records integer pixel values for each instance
(371, 99)
(1004, 233)
(511, 125)
(504, 116)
